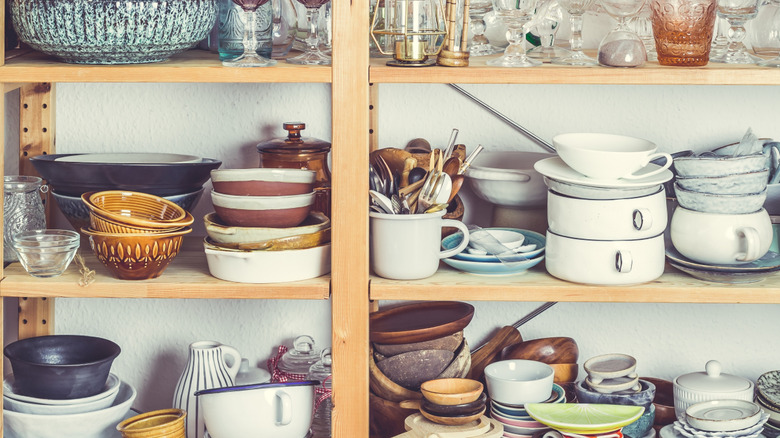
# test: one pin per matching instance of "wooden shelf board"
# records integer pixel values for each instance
(537, 285)
(187, 277)
(190, 66)
(651, 73)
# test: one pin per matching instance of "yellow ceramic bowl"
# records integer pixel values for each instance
(137, 209)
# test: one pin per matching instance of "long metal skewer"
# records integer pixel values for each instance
(536, 312)
(506, 119)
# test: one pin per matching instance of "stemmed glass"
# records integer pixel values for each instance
(720, 44)
(515, 14)
(737, 12)
(479, 44)
(312, 55)
(576, 9)
(774, 62)
(622, 47)
(643, 27)
(250, 58)
(546, 21)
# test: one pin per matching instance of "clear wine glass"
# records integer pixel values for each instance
(737, 13)
(576, 9)
(546, 22)
(643, 27)
(515, 14)
(622, 47)
(250, 58)
(312, 55)
(479, 44)
(774, 62)
(720, 44)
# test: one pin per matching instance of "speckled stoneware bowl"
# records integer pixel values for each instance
(720, 203)
(111, 32)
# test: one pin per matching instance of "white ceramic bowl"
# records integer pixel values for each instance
(267, 266)
(518, 381)
(735, 184)
(608, 156)
(221, 233)
(605, 262)
(279, 410)
(715, 165)
(95, 424)
(717, 203)
(32, 405)
(613, 219)
(722, 239)
(508, 178)
(711, 384)
(262, 211)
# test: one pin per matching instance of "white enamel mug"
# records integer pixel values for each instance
(607, 219)
(407, 246)
(722, 239)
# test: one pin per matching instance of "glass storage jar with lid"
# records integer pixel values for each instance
(295, 363)
(297, 152)
(22, 209)
(322, 371)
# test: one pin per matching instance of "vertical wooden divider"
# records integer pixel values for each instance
(36, 137)
(373, 116)
(349, 273)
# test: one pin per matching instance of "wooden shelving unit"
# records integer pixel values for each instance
(349, 286)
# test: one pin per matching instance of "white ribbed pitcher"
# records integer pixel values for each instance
(206, 369)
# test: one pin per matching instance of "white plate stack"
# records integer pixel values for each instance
(605, 230)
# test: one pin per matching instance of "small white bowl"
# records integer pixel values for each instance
(38, 406)
(723, 415)
(518, 381)
(508, 178)
(610, 366)
(95, 424)
(508, 238)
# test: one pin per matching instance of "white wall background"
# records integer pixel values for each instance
(226, 120)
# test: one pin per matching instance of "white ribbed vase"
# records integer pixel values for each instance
(206, 369)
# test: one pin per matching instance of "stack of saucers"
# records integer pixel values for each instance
(516, 420)
(722, 419)
(768, 398)
(612, 373)
(496, 251)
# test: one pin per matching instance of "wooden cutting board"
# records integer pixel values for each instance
(418, 322)
(419, 427)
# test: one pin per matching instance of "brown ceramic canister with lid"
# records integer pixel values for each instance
(297, 152)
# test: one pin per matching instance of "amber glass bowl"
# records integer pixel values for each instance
(135, 256)
(136, 210)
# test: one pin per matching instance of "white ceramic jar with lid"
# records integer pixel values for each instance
(711, 384)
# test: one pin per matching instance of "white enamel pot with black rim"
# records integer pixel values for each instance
(607, 219)
(604, 262)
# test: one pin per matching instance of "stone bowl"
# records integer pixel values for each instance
(731, 184)
(642, 398)
(719, 203)
(110, 32)
(717, 165)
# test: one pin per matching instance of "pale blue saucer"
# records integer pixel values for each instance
(493, 268)
(531, 237)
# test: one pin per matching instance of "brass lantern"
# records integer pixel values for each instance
(412, 31)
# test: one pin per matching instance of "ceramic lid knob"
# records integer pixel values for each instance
(713, 368)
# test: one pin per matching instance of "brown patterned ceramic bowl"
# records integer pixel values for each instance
(262, 211)
(103, 224)
(136, 209)
(263, 181)
(135, 256)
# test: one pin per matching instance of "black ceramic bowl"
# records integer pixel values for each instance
(61, 366)
(72, 178)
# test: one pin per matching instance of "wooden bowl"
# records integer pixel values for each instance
(386, 418)
(565, 372)
(548, 350)
(453, 391)
(663, 401)
(132, 256)
(136, 209)
(452, 421)
(460, 365)
(385, 388)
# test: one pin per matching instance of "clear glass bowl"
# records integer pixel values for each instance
(46, 253)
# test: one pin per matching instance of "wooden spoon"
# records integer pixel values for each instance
(457, 182)
(451, 166)
(506, 336)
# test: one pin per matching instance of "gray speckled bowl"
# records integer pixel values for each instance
(717, 203)
(642, 398)
(734, 184)
(112, 32)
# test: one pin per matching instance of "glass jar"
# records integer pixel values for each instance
(323, 405)
(296, 152)
(765, 29)
(22, 209)
(299, 360)
(285, 26)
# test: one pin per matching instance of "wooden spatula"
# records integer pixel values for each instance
(505, 337)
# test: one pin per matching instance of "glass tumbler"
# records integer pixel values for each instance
(683, 31)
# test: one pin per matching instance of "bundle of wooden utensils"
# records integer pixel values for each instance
(417, 179)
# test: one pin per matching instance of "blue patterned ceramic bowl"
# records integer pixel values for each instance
(112, 32)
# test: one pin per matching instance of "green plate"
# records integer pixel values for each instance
(583, 418)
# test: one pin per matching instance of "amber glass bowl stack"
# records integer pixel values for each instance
(135, 235)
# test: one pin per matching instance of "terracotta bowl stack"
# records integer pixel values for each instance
(135, 235)
(263, 229)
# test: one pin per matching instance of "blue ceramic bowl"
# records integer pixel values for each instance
(112, 32)
(640, 427)
(77, 213)
(531, 237)
(642, 398)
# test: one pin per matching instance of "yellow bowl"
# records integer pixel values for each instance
(137, 209)
(453, 391)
